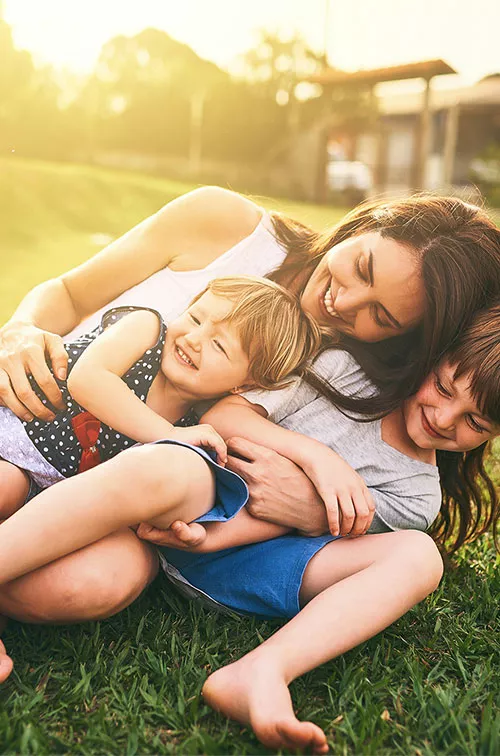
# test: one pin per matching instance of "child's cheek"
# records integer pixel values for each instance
(426, 393)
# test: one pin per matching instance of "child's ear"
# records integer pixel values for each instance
(241, 389)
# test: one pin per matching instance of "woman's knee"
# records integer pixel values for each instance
(90, 584)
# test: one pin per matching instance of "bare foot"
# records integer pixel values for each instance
(252, 692)
(6, 663)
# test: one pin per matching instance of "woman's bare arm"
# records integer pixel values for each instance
(187, 234)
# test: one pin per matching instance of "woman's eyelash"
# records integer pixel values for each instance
(359, 271)
(194, 319)
(378, 320)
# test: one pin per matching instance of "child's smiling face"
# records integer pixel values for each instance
(203, 356)
(443, 414)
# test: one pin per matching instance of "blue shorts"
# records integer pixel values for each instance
(231, 492)
(262, 579)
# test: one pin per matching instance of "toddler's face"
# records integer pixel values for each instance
(444, 415)
(203, 357)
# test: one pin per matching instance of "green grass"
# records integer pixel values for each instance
(429, 684)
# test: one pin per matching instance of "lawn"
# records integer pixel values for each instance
(429, 684)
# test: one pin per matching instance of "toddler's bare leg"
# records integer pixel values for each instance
(139, 484)
(14, 487)
(353, 588)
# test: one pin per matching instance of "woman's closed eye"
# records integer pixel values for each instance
(364, 268)
(361, 269)
(379, 318)
(194, 318)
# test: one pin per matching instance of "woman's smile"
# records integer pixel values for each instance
(368, 286)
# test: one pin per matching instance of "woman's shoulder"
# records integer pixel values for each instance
(205, 223)
(222, 211)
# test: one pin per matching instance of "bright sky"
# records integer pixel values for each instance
(361, 33)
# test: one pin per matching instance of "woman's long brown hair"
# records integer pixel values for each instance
(458, 247)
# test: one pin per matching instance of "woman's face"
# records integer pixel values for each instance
(368, 287)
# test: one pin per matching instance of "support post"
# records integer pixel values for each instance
(423, 139)
(450, 143)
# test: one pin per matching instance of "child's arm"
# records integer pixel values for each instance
(96, 383)
(96, 380)
(212, 536)
(337, 483)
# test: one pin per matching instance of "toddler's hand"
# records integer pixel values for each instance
(202, 435)
(180, 535)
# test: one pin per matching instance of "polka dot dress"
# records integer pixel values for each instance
(56, 441)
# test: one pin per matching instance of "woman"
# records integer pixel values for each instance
(414, 270)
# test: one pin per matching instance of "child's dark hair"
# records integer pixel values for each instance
(470, 500)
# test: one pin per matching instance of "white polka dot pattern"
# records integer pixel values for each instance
(55, 443)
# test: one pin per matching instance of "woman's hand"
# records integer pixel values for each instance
(27, 350)
(202, 435)
(280, 491)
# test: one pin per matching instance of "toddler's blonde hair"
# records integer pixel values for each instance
(276, 334)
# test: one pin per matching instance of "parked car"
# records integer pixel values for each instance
(349, 181)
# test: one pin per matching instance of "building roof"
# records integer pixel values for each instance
(483, 94)
(425, 69)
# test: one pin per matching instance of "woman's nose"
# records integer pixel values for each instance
(350, 299)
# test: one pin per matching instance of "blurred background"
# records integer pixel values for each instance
(324, 100)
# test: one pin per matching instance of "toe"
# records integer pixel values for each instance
(6, 665)
(304, 736)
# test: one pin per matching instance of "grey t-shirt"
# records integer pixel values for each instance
(406, 491)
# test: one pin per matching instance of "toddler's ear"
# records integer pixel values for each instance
(241, 389)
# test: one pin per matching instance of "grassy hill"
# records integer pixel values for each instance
(54, 216)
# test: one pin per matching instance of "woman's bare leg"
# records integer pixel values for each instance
(352, 589)
(139, 484)
(90, 584)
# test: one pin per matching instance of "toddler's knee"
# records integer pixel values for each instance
(423, 557)
(154, 470)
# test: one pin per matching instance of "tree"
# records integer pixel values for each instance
(141, 93)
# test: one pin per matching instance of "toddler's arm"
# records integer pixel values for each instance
(96, 380)
(338, 484)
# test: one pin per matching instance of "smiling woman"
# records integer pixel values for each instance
(368, 287)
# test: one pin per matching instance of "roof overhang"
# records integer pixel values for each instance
(425, 69)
